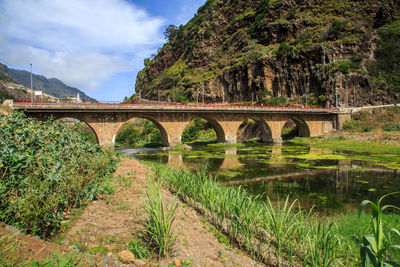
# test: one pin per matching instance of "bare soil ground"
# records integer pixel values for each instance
(114, 220)
(107, 225)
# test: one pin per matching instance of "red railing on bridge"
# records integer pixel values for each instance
(166, 104)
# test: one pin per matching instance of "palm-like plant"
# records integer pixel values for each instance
(373, 249)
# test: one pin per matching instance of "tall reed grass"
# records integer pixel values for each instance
(272, 233)
(158, 223)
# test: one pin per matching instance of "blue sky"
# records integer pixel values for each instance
(97, 46)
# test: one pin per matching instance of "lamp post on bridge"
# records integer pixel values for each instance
(203, 90)
(31, 85)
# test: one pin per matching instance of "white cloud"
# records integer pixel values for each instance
(81, 42)
(84, 71)
(72, 25)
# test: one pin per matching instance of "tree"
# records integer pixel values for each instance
(170, 32)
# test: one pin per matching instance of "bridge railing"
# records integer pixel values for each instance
(155, 104)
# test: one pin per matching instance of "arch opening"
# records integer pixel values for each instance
(254, 129)
(294, 127)
(203, 130)
(83, 128)
(141, 132)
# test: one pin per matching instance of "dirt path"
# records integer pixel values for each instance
(109, 224)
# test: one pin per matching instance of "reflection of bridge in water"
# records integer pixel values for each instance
(230, 161)
(172, 118)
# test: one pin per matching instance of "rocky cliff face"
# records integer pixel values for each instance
(272, 51)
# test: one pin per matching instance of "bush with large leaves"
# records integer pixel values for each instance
(46, 169)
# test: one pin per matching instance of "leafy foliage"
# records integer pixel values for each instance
(262, 11)
(285, 48)
(140, 250)
(85, 131)
(198, 129)
(46, 169)
(373, 249)
(171, 32)
(386, 69)
(139, 132)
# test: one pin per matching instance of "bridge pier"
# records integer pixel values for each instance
(105, 132)
(230, 131)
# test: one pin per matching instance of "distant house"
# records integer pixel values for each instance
(76, 99)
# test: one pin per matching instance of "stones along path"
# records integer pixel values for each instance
(110, 222)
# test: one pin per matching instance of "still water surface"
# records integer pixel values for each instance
(332, 180)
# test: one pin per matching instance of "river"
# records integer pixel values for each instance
(333, 180)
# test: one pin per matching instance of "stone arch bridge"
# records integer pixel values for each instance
(172, 118)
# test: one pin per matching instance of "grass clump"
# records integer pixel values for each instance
(159, 233)
(46, 169)
(322, 243)
(11, 254)
(281, 224)
(140, 250)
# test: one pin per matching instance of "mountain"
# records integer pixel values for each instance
(273, 51)
(52, 86)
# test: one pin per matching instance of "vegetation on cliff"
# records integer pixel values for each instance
(46, 170)
(259, 50)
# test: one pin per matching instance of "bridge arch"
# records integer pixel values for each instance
(303, 128)
(219, 130)
(159, 126)
(72, 120)
(256, 127)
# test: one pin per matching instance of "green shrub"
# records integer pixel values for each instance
(46, 169)
(351, 125)
(386, 68)
(198, 129)
(276, 100)
(338, 26)
(139, 132)
(392, 127)
(367, 128)
(140, 250)
(285, 48)
(261, 12)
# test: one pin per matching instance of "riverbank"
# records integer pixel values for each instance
(377, 137)
(375, 127)
(113, 224)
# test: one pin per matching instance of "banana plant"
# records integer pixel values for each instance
(373, 248)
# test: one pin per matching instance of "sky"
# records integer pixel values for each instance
(97, 46)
